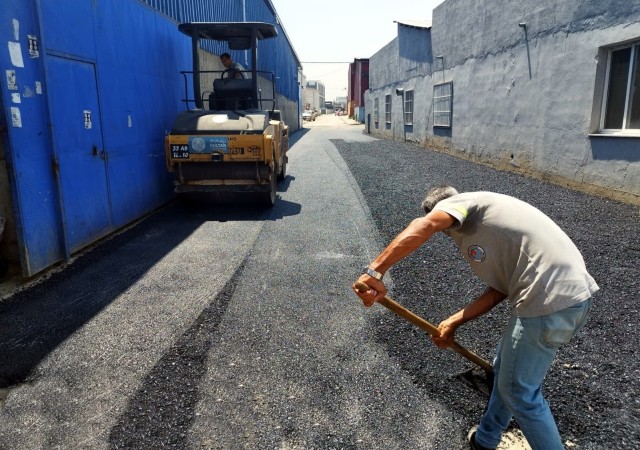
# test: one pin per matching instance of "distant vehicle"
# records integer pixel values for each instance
(309, 115)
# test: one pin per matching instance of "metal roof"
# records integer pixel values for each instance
(422, 24)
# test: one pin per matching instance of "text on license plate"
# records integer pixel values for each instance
(179, 151)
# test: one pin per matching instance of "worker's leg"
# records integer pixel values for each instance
(527, 353)
(496, 416)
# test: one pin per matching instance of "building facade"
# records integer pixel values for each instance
(358, 85)
(548, 88)
(313, 94)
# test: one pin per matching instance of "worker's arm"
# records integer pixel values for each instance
(417, 233)
(483, 304)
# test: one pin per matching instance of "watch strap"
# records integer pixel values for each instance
(372, 273)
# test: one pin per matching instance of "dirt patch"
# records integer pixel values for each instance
(513, 440)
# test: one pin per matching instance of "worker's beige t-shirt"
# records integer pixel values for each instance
(518, 250)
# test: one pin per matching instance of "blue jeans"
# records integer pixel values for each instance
(524, 355)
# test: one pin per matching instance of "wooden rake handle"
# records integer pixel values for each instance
(426, 326)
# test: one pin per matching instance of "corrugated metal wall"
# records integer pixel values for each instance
(277, 55)
(201, 11)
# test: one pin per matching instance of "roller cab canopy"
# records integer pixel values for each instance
(238, 34)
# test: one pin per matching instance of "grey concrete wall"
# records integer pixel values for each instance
(526, 99)
(406, 62)
(290, 113)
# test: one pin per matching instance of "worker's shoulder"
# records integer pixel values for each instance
(436, 220)
(489, 198)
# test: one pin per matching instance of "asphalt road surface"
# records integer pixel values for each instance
(216, 327)
(234, 327)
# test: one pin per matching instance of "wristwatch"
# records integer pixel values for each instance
(372, 273)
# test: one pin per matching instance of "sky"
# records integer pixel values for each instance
(341, 30)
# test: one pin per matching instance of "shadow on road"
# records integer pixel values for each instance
(33, 322)
(296, 136)
(162, 411)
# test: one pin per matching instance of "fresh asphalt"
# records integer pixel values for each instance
(218, 327)
(234, 327)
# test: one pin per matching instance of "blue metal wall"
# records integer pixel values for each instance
(202, 11)
(277, 55)
(27, 142)
(89, 90)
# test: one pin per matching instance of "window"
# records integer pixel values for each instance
(376, 111)
(408, 108)
(442, 101)
(621, 106)
(387, 108)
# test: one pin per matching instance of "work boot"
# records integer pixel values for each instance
(472, 441)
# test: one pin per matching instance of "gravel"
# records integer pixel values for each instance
(155, 339)
(594, 382)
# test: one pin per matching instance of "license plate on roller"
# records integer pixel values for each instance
(179, 151)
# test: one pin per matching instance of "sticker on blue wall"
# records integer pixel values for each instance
(16, 118)
(15, 51)
(34, 52)
(87, 119)
(12, 83)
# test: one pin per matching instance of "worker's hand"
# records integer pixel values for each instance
(376, 292)
(447, 334)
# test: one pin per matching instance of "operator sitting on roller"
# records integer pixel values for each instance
(521, 254)
(233, 69)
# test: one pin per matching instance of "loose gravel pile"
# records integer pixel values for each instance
(593, 385)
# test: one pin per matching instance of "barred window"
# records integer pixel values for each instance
(621, 105)
(408, 108)
(442, 102)
(387, 108)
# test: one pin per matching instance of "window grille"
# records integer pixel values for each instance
(408, 108)
(387, 109)
(442, 102)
